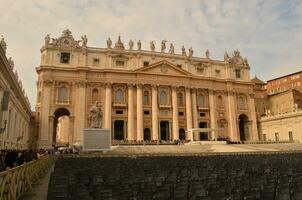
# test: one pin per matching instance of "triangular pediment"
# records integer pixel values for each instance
(164, 68)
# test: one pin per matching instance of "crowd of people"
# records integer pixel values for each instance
(11, 158)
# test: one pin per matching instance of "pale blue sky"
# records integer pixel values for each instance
(267, 32)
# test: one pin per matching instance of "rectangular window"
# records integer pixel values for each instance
(202, 114)
(65, 57)
(146, 64)
(179, 66)
(96, 61)
(119, 112)
(146, 112)
(181, 113)
(217, 72)
(119, 63)
(264, 137)
(276, 137)
(290, 136)
(238, 74)
(200, 70)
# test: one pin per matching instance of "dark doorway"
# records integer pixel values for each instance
(60, 112)
(182, 134)
(203, 135)
(243, 127)
(164, 130)
(147, 134)
(119, 129)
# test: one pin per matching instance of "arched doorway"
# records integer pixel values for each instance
(147, 134)
(182, 134)
(243, 127)
(119, 129)
(61, 132)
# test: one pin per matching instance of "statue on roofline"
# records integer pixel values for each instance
(152, 46)
(84, 41)
(131, 43)
(47, 40)
(109, 43)
(139, 45)
(163, 45)
(191, 52)
(171, 50)
(183, 51)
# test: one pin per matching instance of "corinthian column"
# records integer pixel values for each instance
(212, 112)
(175, 130)
(194, 109)
(108, 105)
(154, 113)
(188, 112)
(130, 113)
(139, 112)
(254, 133)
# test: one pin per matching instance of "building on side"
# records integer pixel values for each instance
(285, 83)
(278, 107)
(144, 94)
(15, 112)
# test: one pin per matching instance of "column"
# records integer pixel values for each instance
(44, 137)
(71, 130)
(154, 113)
(175, 129)
(254, 132)
(194, 111)
(232, 120)
(80, 110)
(130, 128)
(139, 112)
(108, 106)
(51, 129)
(212, 113)
(188, 112)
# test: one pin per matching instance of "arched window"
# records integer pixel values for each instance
(201, 100)
(63, 94)
(219, 100)
(241, 102)
(180, 99)
(95, 94)
(119, 96)
(146, 98)
(163, 98)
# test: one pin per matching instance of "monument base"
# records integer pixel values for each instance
(96, 139)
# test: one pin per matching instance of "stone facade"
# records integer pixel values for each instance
(144, 94)
(15, 113)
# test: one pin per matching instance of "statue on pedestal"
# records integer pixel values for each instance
(163, 45)
(131, 43)
(171, 50)
(139, 45)
(3, 44)
(152, 46)
(11, 62)
(96, 116)
(47, 40)
(207, 54)
(191, 52)
(109, 43)
(84, 41)
(183, 51)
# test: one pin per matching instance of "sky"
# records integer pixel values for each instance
(267, 32)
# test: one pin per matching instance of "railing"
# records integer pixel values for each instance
(16, 181)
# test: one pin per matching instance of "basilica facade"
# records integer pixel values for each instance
(143, 94)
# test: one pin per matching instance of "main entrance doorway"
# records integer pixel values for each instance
(119, 129)
(243, 127)
(164, 130)
(203, 135)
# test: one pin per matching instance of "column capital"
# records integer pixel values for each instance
(48, 82)
(108, 85)
(139, 85)
(252, 95)
(194, 90)
(130, 85)
(174, 88)
(154, 86)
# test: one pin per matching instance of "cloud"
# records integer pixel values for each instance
(267, 32)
